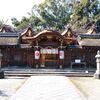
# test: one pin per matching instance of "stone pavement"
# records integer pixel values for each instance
(8, 87)
(48, 88)
(88, 86)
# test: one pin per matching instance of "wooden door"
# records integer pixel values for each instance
(49, 60)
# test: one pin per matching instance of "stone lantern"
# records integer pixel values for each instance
(97, 73)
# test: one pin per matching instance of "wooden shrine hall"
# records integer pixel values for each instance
(49, 48)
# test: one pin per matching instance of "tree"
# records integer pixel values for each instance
(52, 14)
(15, 22)
(56, 14)
(20, 24)
(85, 12)
(3, 23)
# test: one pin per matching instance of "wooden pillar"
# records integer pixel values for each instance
(37, 55)
(61, 55)
(42, 60)
(0, 58)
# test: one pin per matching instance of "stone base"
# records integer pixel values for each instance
(37, 66)
(60, 66)
(1, 74)
(97, 76)
(42, 65)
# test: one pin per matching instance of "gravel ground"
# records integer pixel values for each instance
(9, 86)
(89, 86)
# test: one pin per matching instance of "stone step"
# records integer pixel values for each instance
(63, 73)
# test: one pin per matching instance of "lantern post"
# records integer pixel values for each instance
(61, 56)
(37, 55)
(97, 73)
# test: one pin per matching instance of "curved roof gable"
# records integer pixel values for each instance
(92, 30)
(68, 33)
(28, 32)
(7, 28)
(49, 33)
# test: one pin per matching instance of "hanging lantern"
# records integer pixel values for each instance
(61, 54)
(37, 54)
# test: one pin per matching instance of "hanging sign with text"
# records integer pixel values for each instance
(49, 51)
(37, 54)
(61, 54)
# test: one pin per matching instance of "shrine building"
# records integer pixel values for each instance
(49, 49)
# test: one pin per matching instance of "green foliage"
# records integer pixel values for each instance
(3, 23)
(20, 24)
(56, 14)
(85, 12)
(52, 14)
(15, 22)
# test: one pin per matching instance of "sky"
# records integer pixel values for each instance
(16, 8)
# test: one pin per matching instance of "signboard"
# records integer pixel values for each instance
(61, 54)
(37, 54)
(25, 46)
(49, 51)
(77, 61)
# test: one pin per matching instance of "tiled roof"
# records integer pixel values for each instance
(47, 32)
(9, 38)
(92, 36)
(9, 34)
(89, 42)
